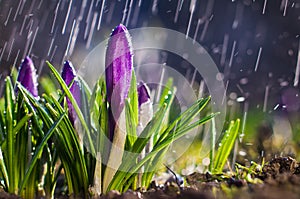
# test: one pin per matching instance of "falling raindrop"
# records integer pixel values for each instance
(264, 7)
(258, 59)
(192, 9)
(55, 16)
(8, 16)
(266, 98)
(232, 53)
(101, 14)
(297, 72)
(67, 17)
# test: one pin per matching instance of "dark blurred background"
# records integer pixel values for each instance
(255, 43)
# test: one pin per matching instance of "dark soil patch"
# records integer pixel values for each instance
(278, 179)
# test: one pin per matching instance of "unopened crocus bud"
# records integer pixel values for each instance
(118, 73)
(68, 75)
(27, 76)
(145, 107)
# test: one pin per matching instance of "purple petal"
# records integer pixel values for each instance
(145, 107)
(143, 93)
(68, 74)
(27, 76)
(118, 64)
(118, 72)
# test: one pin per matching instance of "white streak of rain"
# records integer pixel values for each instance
(266, 98)
(8, 16)
(101, 14)
(192, 9)
(67, 17)
(297, 72)
(258, 59)
(224, 49)
(232, 54)
(89, 40)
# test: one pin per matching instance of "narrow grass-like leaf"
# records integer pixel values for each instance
(39, 151)
(75, 166)
(167, 88)
(226, 146)
(125, 176)
(152, 128)
(165, 144)
(186, 117)
(9, 107)
(21, 123)
(153, 156)
(4, 170)
(99, 117)
(130, 125)
(133, 98)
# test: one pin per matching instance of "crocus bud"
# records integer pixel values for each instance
(68, 75)
(27, 76)
(145, 107)
(118, 72)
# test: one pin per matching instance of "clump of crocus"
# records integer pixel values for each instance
(119, 66)
(69, 76)
(27, 76)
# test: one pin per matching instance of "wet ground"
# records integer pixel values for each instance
(280, 178)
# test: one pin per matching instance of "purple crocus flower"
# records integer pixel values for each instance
(27, 76)
(68, 75)
(145, 107)
(119, 66)
(143, 94)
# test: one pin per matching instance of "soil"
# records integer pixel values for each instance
(280, 178)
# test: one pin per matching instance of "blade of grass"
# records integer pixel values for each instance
(39, 151)
(9, 103)
(4, 170)
(165, 144)
(130, 125)
(186, 117)
(226, 145)
(133, 98)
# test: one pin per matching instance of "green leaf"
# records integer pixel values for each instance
(131, 113)
(9, 107)
(186, 117)
(21, 123)
(39, 151)
(4, 170)
(133, 98)
(167, 88)
(130, 125)
(226, 146)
